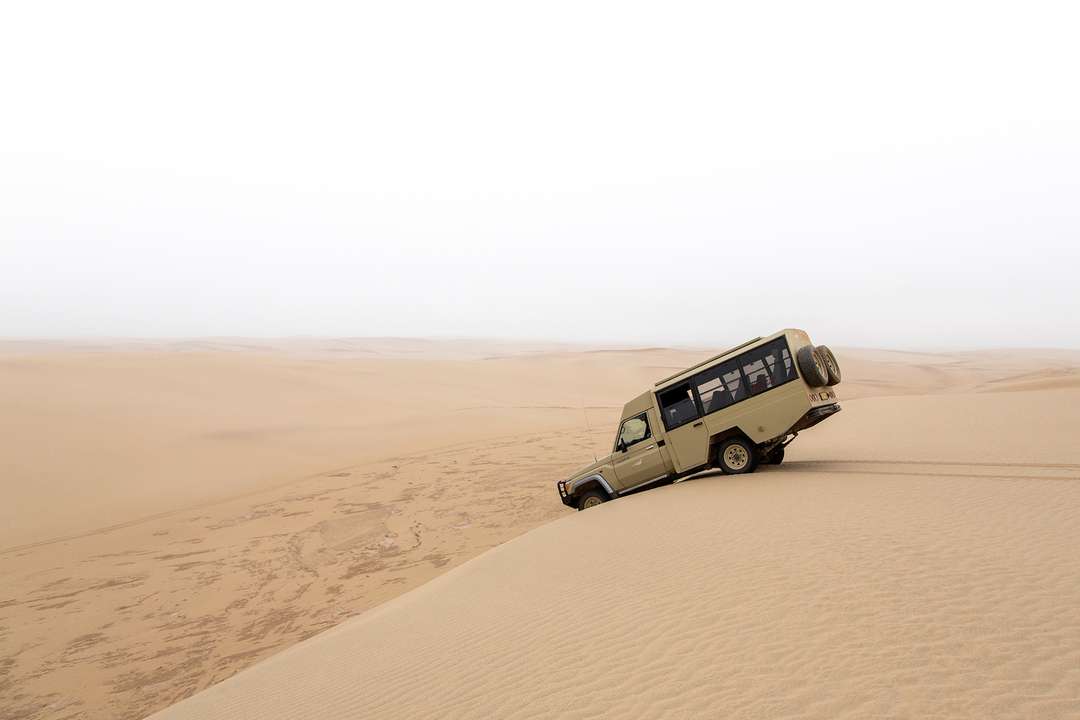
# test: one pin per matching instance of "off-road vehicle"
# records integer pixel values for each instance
(734, 411)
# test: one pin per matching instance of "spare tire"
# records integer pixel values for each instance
(812, 366)
(831, 365)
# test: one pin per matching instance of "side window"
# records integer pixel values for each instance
(677, 406)
(710, 390)
(766, 367)
(749, 374)
(720, 386)
(634, 430)
(780, 363)
(757, 375)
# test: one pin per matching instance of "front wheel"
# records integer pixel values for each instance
(735, 457)
(591, 498)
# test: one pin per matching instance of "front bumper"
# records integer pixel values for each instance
(563, 494)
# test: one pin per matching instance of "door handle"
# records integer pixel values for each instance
(697, 424)
(651, 447)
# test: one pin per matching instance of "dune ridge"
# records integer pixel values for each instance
(261, 501)
(819, 589)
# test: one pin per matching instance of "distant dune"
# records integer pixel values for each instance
(178, 514)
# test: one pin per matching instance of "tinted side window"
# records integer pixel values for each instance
(634, 430)
(780, 363)
(748, 374)
(720, 386)
(767, 366)
(677, 406)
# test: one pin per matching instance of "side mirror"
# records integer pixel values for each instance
(621, 445)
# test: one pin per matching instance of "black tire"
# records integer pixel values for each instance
(736, 456)
(589, 499)
(831, 365)
(812, 366)
(774, 456)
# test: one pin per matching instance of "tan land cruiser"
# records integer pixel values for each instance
(731, 412)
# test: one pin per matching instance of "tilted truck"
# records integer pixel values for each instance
(733, 412)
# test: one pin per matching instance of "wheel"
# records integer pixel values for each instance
(774, 456)
(591, 498)
(813, 366)
(831, 365)
(735, 456)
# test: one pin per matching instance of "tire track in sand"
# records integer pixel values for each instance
(854, 467)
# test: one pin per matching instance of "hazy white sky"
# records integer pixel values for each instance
(902, 174)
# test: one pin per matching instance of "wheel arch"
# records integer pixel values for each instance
(592, 482)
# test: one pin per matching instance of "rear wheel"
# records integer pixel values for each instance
(812, 365)
(832, 367)
(590, 498)
(735, 456)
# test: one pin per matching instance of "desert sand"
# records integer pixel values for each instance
(176, 513)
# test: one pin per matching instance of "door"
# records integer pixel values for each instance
(638, 458)
(687, 435)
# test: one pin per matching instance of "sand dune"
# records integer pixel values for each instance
(121, 436)
(180, 513)
(942, 587)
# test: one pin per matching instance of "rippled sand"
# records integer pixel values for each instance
(913, 557)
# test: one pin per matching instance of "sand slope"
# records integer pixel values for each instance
(178, 512)
(175, 512)
(942, 586)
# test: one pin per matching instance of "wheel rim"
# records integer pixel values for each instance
(830, 361)
(821, 365)
(736, 457)
(591, 501)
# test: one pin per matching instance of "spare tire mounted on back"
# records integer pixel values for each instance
(831, 365)
(813, 367)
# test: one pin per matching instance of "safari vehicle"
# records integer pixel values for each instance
(732, 412)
